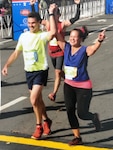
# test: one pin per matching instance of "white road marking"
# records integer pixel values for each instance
(3, 42)
(104, 28)
(12, 103)
(101, 20)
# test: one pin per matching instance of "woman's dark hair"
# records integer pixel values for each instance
(83, 32)
(35, 15)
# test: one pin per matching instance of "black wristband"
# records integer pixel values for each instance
(51, 14)
(100, 41)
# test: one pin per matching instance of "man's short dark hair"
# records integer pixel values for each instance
(35, 15)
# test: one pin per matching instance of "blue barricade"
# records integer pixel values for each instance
(20, 9)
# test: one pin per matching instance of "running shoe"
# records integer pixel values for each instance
(96, 122)
(38, 132)
(47, 127)
(76, 141)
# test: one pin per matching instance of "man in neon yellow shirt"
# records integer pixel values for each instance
(32, 43)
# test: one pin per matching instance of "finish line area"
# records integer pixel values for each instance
(46, 143)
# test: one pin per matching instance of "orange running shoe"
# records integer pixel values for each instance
(38, 132)
(47, 127)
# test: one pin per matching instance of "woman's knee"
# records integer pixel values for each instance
(70, 110)
(81, 115)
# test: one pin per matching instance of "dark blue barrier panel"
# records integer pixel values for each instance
(109, 6)
(20, 9)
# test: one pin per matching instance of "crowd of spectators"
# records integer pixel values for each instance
(5, 7)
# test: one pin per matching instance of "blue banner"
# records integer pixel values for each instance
(20, 10)
(109, 6)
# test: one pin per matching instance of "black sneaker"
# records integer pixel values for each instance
(76, 141)
(96, 122)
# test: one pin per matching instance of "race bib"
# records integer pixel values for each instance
(70, 72)
(53, 42)
(31, 58)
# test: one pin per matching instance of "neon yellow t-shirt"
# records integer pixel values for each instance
(34, 53)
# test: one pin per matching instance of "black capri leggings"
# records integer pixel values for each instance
(77, 99)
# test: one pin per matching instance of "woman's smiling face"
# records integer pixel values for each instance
(74, 38)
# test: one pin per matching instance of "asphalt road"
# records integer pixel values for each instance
(17, 121)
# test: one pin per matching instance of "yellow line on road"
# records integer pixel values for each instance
(45, 143)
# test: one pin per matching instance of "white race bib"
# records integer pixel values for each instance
(53, 42)
(29, 58)
(70, 72)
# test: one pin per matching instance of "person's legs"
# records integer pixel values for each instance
(70, 102)
(47, 122)
(37, 103)
(57, 80)
(57, 63)
(83, 103)
(84, 97)
(40, 112)
(35, 81)
(35, 98)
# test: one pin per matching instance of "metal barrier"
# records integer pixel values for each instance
(89, 8)
(6, 26)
